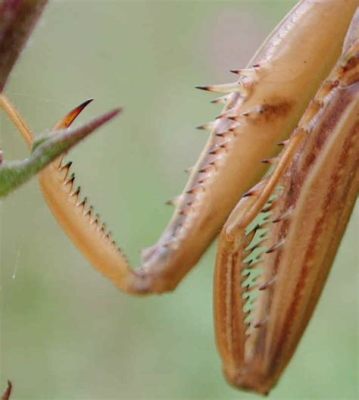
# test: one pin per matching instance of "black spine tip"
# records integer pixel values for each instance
(202, 88)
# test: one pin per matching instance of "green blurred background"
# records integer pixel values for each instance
(66, 332)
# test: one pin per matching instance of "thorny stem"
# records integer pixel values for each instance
(17, 20)
(46, 149)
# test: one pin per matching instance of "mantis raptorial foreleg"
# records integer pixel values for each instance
(270, 271)
(305, 205)
(261, 109)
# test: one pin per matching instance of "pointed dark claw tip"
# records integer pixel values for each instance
(81, 106)
(72, 115)
(202, 88)
(234, 71)
(215, 101)
(85, 103)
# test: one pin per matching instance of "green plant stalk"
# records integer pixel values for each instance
(45, 150)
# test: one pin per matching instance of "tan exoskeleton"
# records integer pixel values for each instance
(304, 202)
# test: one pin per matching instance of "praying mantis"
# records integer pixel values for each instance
(262, 108)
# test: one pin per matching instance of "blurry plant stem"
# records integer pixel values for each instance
(17, 20)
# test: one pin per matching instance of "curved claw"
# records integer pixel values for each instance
(45, 150)
(72, 115)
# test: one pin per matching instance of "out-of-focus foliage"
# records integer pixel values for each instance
(66, 333)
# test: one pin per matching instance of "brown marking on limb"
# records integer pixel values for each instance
(340, 187)
(270, 111)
